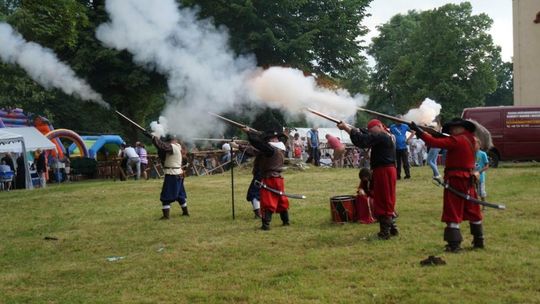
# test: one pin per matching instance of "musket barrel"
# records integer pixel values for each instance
(399, 120)
(146, 133)
(323, 115)
(234, 123)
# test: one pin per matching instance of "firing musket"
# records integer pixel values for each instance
(143, 130)
(239, 141)
(236, 124)
(429, 130)
(324, 116)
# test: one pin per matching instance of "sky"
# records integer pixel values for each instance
(499, 10)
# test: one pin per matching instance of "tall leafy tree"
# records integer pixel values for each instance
(68, 28)
(315, 36)
(445, 54)
(504, 94)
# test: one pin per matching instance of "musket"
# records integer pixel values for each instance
(241, 141)
(465, 196)
(144, 131)
(429, 130)
(323, 115)
(236, 124)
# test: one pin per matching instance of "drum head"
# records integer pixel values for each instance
(342, 198)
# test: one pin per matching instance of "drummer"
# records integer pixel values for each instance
(383, 158)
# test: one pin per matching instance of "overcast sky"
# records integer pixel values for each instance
(499, 10)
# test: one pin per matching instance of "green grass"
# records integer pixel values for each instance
(210, 258)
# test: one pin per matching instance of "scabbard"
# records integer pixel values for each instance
(264, 186)
(466, 196)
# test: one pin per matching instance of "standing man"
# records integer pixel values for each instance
(339, 150)
(41, 167)
(269, 162)
(400, 133)
(313, 145)
(170, 154)
(383, 183)
(458, 174)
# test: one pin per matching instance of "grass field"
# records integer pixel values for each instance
(210, 258)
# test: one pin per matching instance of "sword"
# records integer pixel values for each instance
(467, 197)
(264, 186)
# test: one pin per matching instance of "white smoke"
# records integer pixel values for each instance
(203, 72)
(43, 66)
(425, 114)
(289, 89)
(159, 128)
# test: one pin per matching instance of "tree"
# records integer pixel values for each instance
(445, 54)
(314, 36)
(68, 28)
(504, 94)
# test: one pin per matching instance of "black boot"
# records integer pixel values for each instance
(478, 236)
(393, 227)
(453, 237)
(284, 218)
(384, 226)
(185, 211)
(166, 213)
(266, 219)
(257, 213)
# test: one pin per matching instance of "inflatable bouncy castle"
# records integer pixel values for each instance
(13, 118)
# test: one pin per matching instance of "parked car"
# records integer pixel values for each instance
(515, 131)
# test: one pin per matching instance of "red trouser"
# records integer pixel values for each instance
(384, 191)
(271, 201)
(457, 209)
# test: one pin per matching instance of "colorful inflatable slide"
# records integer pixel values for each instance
(13, 118)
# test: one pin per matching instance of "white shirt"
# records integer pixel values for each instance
(130, 152)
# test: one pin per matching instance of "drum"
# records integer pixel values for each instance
(342, 208)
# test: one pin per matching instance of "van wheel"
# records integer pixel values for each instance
(493, 159)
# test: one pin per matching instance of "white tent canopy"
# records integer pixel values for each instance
(13, 142)
(32, 138)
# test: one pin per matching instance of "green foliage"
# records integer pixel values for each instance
(210, 258)
(315, 36)
(445, 54)
(504, 94)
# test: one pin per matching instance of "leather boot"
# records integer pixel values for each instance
(266, 219)
(284, 218)
(384, 227)
(453, 237)
(166, 213)
(478, 236)
(185, 211)
(393, 227)
(257, 213)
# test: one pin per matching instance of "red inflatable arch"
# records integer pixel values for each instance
(65, 133)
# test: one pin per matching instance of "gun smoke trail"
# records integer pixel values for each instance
(43, 66)
(425, 114)
(203, 72)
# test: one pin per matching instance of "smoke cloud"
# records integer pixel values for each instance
(425, 114)
(203, 73)
(289, 89)
(43, 66)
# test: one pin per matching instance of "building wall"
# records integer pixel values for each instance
(526, 15)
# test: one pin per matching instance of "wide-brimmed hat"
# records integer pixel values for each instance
(170, 137)
(458, 122)
(274, 132)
